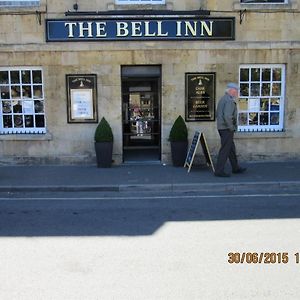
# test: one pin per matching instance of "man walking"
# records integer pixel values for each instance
(227, 125)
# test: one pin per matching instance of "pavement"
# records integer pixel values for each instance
(260, 176)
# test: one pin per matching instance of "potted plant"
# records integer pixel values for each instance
(103, 144)
(179, 141)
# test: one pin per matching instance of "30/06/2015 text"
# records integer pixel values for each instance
(263, 257)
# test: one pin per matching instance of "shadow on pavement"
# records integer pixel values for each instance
(123, 217)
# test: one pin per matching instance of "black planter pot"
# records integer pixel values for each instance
(179, 152)
(104, 154)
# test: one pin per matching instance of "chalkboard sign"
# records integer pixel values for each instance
(198, 137)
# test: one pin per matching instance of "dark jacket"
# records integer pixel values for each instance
(227, 113)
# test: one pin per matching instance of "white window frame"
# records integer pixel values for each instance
(31, 100)
(137, 2)
(19, 3)
(263, 2)
(255, 104)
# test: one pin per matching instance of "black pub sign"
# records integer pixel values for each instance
(140, 29)
(200, 96)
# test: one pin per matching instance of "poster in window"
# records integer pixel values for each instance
(200, 97)
(82, 98)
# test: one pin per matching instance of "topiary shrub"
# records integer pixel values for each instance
(103, 132)
(178, 131)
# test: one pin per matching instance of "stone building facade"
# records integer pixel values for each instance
(141, 85)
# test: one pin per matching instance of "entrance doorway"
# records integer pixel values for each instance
(141, 114)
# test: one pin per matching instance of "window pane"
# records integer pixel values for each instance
(3, 77)
(15, 76)
(18, 121)
(243, 119)
(244, 89)
(255, 74)
(266, 74)
(253, 119)
(263, 1)
(264, 119)
(7, 121)
(38, 106)
(39, 121)
(244, 75)
(274, 118)
(26, 77)
(266, 89)
(6, 107)
(275, 102)
(37, 76)
(276, 89)
(15, 92)
(255, 89)
(26, 92)
(19, 2)
(4, 92)
(140, 1)
(17, 108)
(29, 121)
(243, 104)
(264, 104)
(37, 91)
(277, 74)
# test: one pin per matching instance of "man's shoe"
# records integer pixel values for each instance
(222, 174)
(239, 170)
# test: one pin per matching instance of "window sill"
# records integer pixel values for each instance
(112, 6)
(42, 8)
(26, 137)
(263, 135)
(292, 5)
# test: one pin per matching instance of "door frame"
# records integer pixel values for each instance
(139, 73)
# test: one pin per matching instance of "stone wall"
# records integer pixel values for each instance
(261, 38)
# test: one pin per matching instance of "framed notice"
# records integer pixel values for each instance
(200, 97)
(82, 98)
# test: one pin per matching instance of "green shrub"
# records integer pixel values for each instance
(103, 132)
(178, 131)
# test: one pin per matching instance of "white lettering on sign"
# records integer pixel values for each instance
(122, 29)
(101, 29)
(125, 29)
(71, 29)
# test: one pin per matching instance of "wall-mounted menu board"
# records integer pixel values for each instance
(200, 96)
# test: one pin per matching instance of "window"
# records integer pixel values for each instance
(261, 101)
(263, 1)
(140, 1)
(22, 107)
(19, 3)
